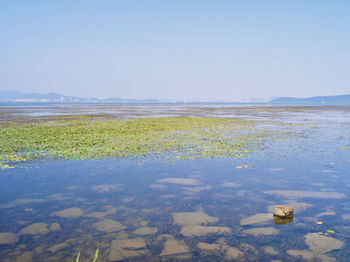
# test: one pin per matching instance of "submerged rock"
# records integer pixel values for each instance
(8, 238)
(195, 231)
(309, 256)
(35, 229)
(283, 211)
(209, 247)
(158, 186)
(256, 219)
(248, 249)
(109, 225)
(305, 194)
(232, 253)
(26, 256)
(145, 231)
(69, 212)
(174, 247)
(327, 213)
(270, 250)
(193, 218)
(180, 181)
(229, 184)
(322, 244)
(55, 227)
(194, 190)
(107, 188)
(57, 247)
(97, 214)
(346, 217)
(123, 249)
(262, 231)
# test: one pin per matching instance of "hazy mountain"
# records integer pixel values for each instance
(327, 100)
(17, 96)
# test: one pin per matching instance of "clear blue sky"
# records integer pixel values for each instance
(176, 49)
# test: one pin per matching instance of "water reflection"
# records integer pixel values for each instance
(282, 221)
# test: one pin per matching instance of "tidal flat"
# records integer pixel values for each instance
(174, 183)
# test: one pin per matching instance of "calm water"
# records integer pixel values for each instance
(150, 209)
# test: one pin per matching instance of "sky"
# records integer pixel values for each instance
(179, 50)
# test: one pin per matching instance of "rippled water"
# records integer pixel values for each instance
(150, 209)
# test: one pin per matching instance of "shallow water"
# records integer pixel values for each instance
(150, 209)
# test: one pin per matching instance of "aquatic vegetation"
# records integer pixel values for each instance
(178, 137)
(3, 166)
(95, 257)
(77, 260)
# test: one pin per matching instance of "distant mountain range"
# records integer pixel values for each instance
(17, 96)
(327, 100)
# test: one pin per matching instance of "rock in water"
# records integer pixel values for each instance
(283, 211)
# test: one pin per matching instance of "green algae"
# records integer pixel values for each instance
(178, 137)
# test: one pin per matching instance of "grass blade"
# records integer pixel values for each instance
(77, 260)
(96, 255)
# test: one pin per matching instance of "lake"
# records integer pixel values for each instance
(159, 208)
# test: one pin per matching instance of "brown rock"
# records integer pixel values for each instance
(283, 211)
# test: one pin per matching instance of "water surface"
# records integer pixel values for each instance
(152, 209)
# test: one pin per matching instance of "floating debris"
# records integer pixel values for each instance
(242, 166)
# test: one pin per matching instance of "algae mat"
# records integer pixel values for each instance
(179, 137)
